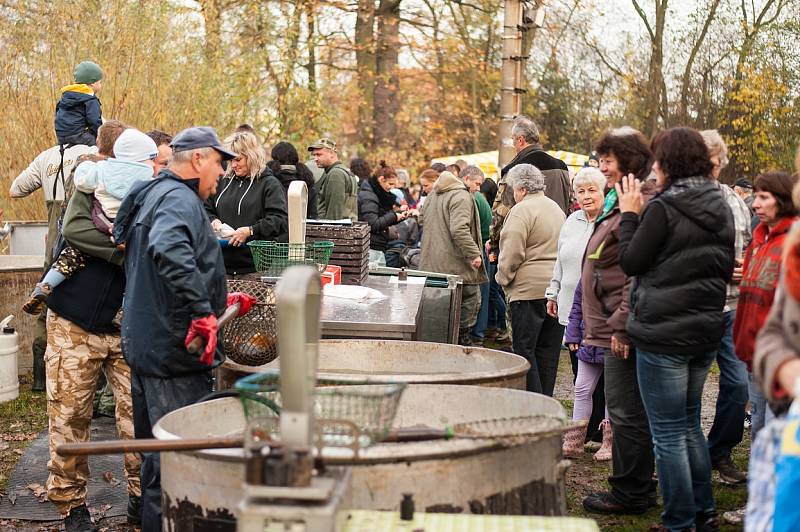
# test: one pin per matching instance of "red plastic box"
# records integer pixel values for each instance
(331, 275)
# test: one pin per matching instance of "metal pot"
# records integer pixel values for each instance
(395, 360)
(203, 488)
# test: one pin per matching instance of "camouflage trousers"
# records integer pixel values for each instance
(69, 261)
(73, 362)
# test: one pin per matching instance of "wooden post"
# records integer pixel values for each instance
(511, 78)
(518, 18)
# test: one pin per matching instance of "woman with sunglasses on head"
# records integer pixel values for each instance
(250, 200)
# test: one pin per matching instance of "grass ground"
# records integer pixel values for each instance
(587, 476)
(22, 419)
(20, 422)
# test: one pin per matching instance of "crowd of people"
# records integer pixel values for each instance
(643, 265)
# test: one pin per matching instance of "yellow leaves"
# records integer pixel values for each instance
(759, 107)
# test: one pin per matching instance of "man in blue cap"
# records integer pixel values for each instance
(175, 288)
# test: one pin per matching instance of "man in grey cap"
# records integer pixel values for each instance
(175, 288)
(338, 187)
(744, 189)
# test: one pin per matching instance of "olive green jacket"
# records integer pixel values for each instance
(451, 231)
(80, 232)
(338, 194)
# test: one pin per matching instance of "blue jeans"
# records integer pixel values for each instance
(479, 328)
(672, 388)
(728, 427)
(496, 318)
(760, 412)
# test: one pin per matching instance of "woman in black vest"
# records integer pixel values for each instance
(681, 251)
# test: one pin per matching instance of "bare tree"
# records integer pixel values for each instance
(387, 83)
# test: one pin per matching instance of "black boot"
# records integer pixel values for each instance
(79, 520)
(134, 510)
(463, 337)
(38, 366)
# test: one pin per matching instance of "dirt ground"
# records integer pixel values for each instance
(586, 475)
(23, 419)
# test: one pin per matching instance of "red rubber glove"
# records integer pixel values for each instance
(205, 328)
(246, 302)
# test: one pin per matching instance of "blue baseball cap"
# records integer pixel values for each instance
(200, 137)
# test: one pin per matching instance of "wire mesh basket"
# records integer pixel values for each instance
(274, 257)
(252, 339)
(347, 415)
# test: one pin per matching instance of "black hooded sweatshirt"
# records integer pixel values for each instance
(288, 173)
(258, 203)
(682, 254)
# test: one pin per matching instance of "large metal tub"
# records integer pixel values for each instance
(396, 360)
(457, 476)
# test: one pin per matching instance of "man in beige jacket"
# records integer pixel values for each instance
(451, 243)
(528, 250)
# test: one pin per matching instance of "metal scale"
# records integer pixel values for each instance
(283, 489)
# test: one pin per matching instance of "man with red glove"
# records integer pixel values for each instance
(175, 288)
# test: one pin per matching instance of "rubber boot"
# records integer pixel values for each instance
(573, 442)
(38, 365)
(463, 337)
(604, 452)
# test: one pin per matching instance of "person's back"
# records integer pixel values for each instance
(78, 113)
(676, 305)
(530, 232)
(286, 167)
(452, 231)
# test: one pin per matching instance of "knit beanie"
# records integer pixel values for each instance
(88, 72)
(133, 145)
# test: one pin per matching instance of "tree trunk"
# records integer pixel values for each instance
(212, 18)
(683, 111)
(386, 80)
(365, 65)
(311, 66)
(656, 101)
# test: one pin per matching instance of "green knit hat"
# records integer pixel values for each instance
(88, 72)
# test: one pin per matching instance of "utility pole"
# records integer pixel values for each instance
(518, 17)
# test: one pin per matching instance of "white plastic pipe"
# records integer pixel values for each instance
(298, 304)
(298, 205)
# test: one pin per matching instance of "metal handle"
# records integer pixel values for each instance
(298, 299)
(148, 446)
(196, 345)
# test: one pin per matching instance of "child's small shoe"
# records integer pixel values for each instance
(38, 298)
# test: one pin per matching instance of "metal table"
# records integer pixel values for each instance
(395, 317)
